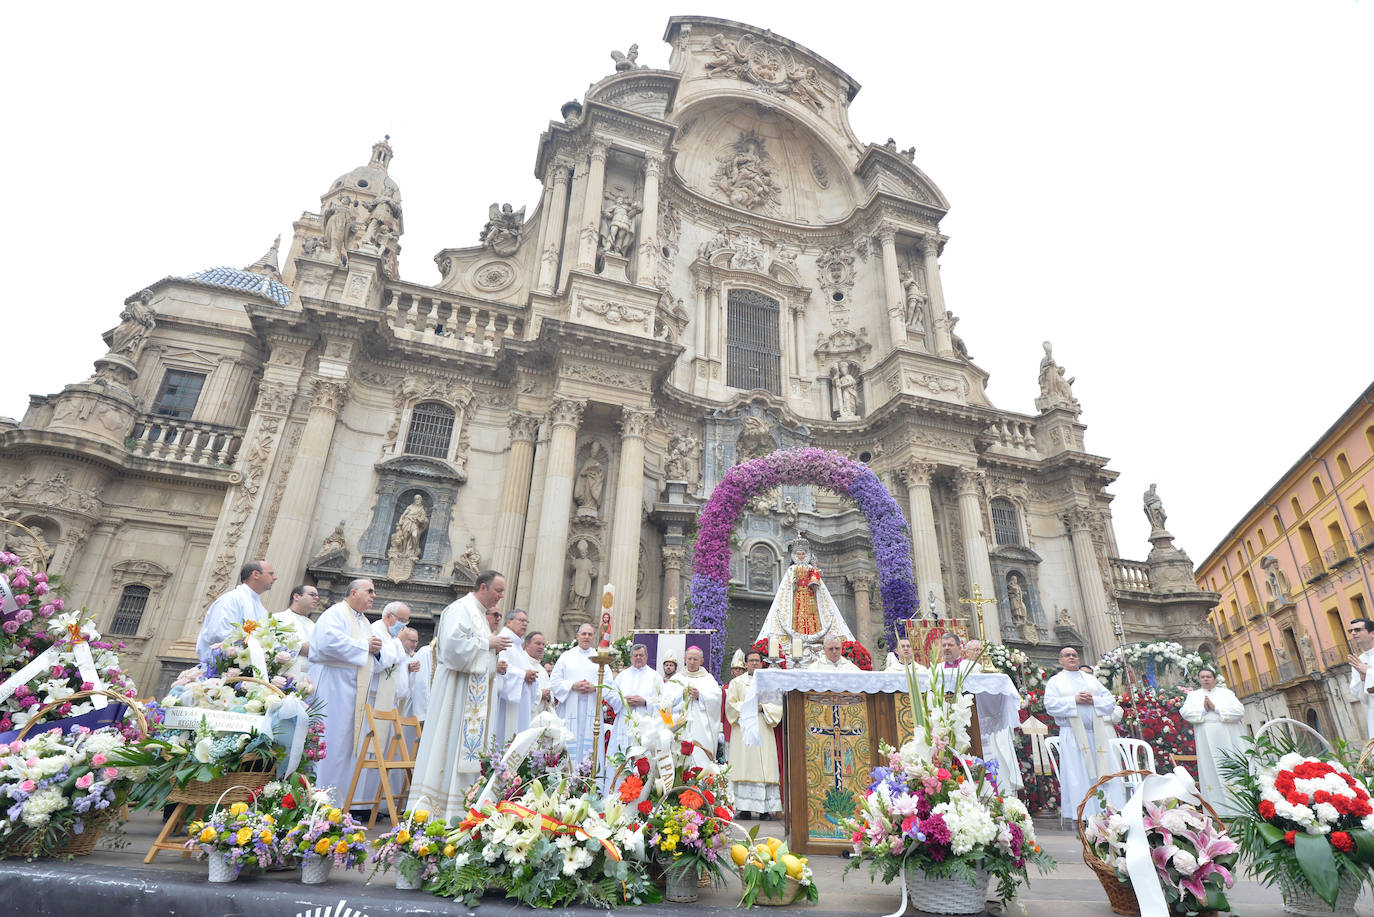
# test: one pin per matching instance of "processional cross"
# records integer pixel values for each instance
(978, 601)
(835, 751)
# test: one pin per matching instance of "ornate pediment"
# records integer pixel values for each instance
(843, 343)
(421, 467)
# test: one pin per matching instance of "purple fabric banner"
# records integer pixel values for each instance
(93, 720)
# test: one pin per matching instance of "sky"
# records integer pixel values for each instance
(1177, 195)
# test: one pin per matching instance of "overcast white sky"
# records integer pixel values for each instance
(1178, 195)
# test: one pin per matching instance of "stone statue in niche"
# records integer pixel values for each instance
(334, 547)
(470, 559)
(32, 552)
(1154, 509)
(584, 573)
(1056, 391)
(1016, 598)
(1275, 580)
(590, 484)
(135, 323)
(746, 177)
(501, 233)
(1308, 654)
(339, 224)
(627, 60)
(618, 224)
(845, 377)
(678, 464)
(915, 302)
(405, 541)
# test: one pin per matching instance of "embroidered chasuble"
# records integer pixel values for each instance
(454, 738)
(703, 715)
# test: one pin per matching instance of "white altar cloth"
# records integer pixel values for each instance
(998, 699)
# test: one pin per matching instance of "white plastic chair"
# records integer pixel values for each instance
(1052, 749)
(1134, 755)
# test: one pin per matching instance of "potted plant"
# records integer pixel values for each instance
(234, 839)
(1194, 859)
(415, 847)
(329, 837)
(1306, 823)
(771, 874)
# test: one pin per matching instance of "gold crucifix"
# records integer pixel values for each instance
(978, 601)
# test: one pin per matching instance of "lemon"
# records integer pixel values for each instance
(739, 853)
(773, 844)
(764, 853)
(794, 865)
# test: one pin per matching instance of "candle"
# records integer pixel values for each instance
(796, 647)
(772, 646)
(607, 602)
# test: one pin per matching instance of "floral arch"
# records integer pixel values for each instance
(819, 468)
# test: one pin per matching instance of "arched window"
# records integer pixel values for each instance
(1317, 488)
(1343, 466)
(129, 614)
(753, 357)
(1006, 526)
(431, 428)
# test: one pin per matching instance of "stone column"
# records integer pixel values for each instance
(551, 547)
(87, 569)
(590, 233)
(552, 246)
(970, 485)
(672, 583)
(623, 563)
(648, 222)
(925, 547)
(892, 287)
(288, 546)
(515, 498)
(799, 335)
(862, 584)
(930, 250)
(1080, 522)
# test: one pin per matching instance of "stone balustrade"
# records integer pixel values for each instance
(461, 323)
(1130, 575)
(1012, 435)
(172, 440)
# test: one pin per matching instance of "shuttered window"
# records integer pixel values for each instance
(752, 355)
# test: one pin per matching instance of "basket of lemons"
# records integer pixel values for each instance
(771, 874)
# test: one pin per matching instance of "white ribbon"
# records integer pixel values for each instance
(257, 657)
(1140, 865)
(7, 603)
(547, 725)
(290, 713)
(85, 664)
(27, 673)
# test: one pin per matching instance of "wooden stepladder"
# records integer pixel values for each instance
(385, 750)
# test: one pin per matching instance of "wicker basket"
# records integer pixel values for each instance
(235, 786)
(1299, 899)
(789, 894)
(1121, 896)
(83, 844)
(947, 895)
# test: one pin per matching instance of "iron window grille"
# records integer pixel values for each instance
(753, 356)
(133, 601)
(431, 428)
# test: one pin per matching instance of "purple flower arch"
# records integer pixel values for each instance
(820, 468)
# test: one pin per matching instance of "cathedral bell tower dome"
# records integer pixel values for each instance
(370, 180)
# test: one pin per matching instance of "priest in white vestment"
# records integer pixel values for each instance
(636, 698)
(341, 661)
(1081, 707)
(695, 693)
(1216, 714)
(535, 644)
(832, 657)
(573, 684)
(242, 603)
(905, 656)
(1361, 687)
(454, 740)
(999, 745)
(754, 782)
(297, 616)
(421, 669)
(517, 689)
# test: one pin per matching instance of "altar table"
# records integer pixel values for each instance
(833, 726)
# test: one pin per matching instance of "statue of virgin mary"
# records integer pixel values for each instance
(803, 609)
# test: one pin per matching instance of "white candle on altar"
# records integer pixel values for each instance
(796, 647)
(772, 646)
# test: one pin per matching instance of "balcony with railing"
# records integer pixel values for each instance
(1266, 680)
(1245, 686)
(1130, 575)
(1252, 611)
(1363, 537)
(1313, 571)
(477, 326)
(1332, 657)
(1289, 671)
(1338, 555)
(185, 441)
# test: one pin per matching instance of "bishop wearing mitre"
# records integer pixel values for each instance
(695, 694)
(753, 768)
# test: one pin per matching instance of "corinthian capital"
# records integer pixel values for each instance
(969, 481)
(634, 422)
(1080, 519)
(861, 582)
(653, 163)
(673, 557)
(523, 427)
(596, 151)
(330, 395)
(566, 412)
(918, 473)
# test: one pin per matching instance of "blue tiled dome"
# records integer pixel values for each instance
(230, 278)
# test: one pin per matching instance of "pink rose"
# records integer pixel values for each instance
(10, 627)
(28, 786)
(22, 598)
(41, 589)
(58, 671)
(24, 616)
(40, 577)
(87, 685)
(111, 773)
(47, 611)
(98, 760)
(84, 781)
(19, 584)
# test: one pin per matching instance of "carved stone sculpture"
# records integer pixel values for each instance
(470, 559)
(1064, 619)
(915, 302)
(584, 573)
(334, 548)
(405, 541)
(746, 177)
(135, 323)
(1276, 581)
(1154, 509)
(1056, 391)
(1030, 633)
(678, 464)
(1308, 654)
(339, 225)
(1016, 598)
(846, 382)
(383, 224)
(627, 60)
(755, 438)
(789, 513)
(501, 233)
(590, 484)
(618, 224)
(32, 552)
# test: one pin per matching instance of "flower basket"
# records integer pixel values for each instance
(221, 870)
(1300, 899)
(789, 894)
(315, 870)
(235, 786)
(682, 883)
(409, 885)
(946, 895)
(83, 844)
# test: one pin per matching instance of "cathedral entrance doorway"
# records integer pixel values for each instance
(741, 628)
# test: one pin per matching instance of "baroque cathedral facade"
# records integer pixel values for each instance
(718, 267)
